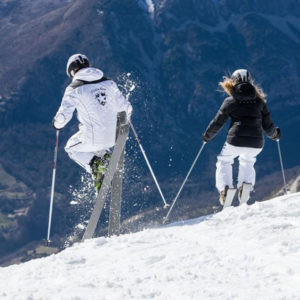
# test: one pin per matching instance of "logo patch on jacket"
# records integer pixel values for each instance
(101, 97)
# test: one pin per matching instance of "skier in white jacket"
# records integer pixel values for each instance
(97, 101)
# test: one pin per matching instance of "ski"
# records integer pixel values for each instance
(229, 197)
(116, 196)
(109, 174)
(246, 190)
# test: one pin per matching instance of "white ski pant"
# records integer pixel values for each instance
(247, 159)
(83, 152)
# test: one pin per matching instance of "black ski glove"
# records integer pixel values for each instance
(277, 135)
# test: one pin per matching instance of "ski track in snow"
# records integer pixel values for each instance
(248, 252)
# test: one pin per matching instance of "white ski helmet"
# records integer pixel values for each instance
(75, 63)
(241, 75)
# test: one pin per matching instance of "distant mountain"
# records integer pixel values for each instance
(176, 53)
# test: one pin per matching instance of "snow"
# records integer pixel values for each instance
(148, 6)
(281, 23)
(248, 252)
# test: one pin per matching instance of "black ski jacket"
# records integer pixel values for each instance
(249, 117)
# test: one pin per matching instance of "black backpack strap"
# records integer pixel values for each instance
(77, 83)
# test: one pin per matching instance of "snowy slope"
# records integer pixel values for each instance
(249, 252)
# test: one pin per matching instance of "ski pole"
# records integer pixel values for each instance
(282, 169)
(187, 176)
(148, 164)
(52, 187)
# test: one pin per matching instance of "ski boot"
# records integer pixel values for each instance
(223, 195)
(99, 166)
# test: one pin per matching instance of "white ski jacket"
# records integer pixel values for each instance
(97, 105)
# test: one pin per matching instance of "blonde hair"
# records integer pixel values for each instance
(228, 85)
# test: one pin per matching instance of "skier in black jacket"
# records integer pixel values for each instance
(247, 108)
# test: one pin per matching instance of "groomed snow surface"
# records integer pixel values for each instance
(247, 252)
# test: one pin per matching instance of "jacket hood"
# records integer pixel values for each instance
(88, 74)
(244, 92)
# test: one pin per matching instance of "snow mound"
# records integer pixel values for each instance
(248, 252)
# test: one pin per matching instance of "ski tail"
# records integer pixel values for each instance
(229, 197)
(244, 192)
